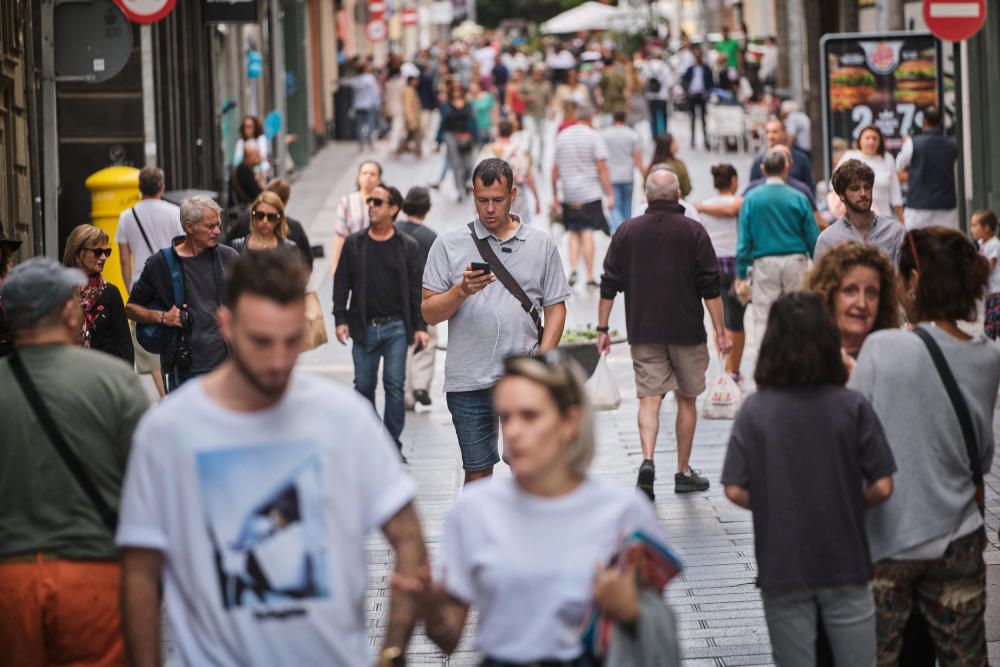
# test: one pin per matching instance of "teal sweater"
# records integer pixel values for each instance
(775, 219)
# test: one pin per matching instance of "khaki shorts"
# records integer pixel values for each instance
(662, 368)
(145, 362)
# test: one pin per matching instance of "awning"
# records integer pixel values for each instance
(588, 16)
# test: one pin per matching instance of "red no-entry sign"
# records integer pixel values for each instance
(954, 20)
(145, 11)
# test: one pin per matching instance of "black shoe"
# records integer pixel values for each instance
(422, 397)
(593, 284)
(647, 474)
(690, 482)
(572, 279)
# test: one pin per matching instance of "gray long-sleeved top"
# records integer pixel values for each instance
(933, 490)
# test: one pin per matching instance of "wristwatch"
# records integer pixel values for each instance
(392, 656)
(603, 329)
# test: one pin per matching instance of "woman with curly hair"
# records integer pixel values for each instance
(857, 284)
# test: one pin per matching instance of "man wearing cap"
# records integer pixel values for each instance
(59, 569)
(7, 249)
(197, 346)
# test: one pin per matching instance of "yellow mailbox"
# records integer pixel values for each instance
(112, 190)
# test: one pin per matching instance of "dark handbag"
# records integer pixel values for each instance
(156, 338)
(109, 517)
(464, 142)
(507, 280)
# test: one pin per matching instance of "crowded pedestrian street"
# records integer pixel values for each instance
(544, 333)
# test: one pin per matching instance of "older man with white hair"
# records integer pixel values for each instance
(181, 288)
(664, 263)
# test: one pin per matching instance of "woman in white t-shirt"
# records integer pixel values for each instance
(887, 195)
(530, 552)
(720, 216)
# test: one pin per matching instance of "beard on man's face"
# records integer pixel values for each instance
(255, 379)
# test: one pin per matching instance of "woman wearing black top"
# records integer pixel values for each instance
(458, 128)
(105, 326)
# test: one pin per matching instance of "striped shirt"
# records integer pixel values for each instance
(578, 148)
(352, 215)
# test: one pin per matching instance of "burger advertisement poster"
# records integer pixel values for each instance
(885, 79)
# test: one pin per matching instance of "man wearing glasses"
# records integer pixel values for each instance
(197, 347)
(380, 273)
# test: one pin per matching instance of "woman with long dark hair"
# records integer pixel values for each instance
(665, 152)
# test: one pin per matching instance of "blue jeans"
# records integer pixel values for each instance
(657, 117)
(476, 426)
(386, 343)
(367, 120)
(623, 204)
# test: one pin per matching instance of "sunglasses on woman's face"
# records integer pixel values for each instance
(100, 251)
(270, 217)
(374, 201)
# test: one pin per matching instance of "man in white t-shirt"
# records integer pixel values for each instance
(142, 230)
(250, 493)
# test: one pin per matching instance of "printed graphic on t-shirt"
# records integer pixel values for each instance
(265, 519)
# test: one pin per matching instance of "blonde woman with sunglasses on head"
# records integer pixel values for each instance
(530, 552)
(268, 226)
(105, 326)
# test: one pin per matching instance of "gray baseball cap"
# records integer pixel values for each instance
(35, 288)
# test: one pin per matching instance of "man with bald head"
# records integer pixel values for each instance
(777, 236)
(664, 263)
(800, 168)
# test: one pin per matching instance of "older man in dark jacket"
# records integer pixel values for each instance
(665, 265)
(381, 273)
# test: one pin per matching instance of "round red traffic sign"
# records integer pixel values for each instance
(376, 31)
(145, 11)
(954, 20)
(410, 16)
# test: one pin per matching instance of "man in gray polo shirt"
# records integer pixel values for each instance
(853, 182)
(486, 323)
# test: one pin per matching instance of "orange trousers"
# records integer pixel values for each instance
(60, 612)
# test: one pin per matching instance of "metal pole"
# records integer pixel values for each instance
(50, 132)
(276, 20)
(796, 54)
(148, 95)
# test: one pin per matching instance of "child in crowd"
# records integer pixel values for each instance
(984, 230)
(794, 482)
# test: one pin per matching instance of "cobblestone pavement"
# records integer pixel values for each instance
(719, 610)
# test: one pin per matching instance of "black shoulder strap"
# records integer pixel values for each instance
(142, 231)
(108, 515)
(957, 402)
(507, 280)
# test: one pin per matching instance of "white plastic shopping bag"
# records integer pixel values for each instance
(724, 398)
(602, 388)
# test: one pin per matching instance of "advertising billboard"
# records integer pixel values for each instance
(881, 79)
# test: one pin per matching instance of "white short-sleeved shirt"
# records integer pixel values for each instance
(722, 230)
(578, 148)
(161, 221)
(526, 563)
(491, 325)
(991, 250)
(262, 518)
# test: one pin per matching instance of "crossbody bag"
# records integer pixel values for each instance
(961, 410)
(508, 281)
(109, 517)
(156, 338)
(143, 232)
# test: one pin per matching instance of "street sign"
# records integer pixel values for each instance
(884, 79)
(954, 20)
(93, 41)
(376, 30)
(376, 9)
(145, 11)
(410, 16)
